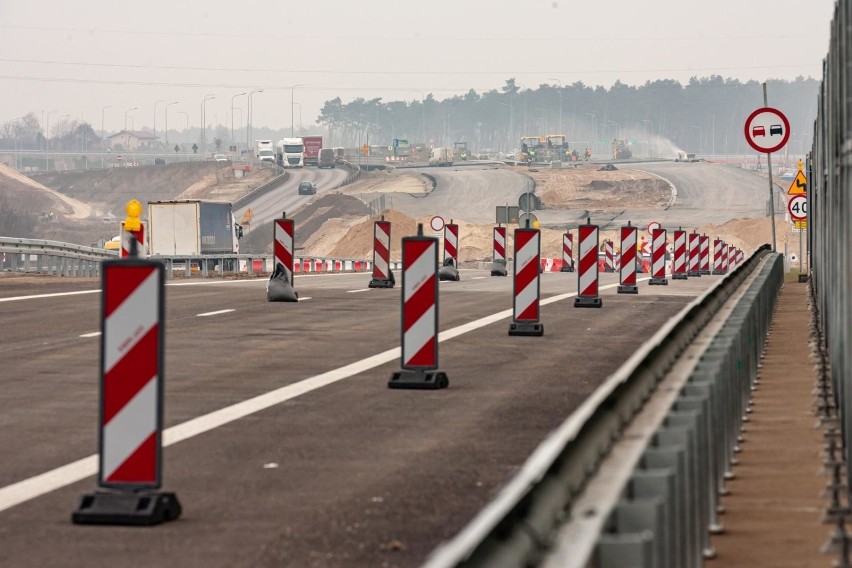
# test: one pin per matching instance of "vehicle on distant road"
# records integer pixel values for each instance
(290, 153)
(307, 188)
(776, 129)
(192, 227)
(220, 158)
(264, 151)
(441, 157)
(313, 146)
(758, 131)
(326, 158)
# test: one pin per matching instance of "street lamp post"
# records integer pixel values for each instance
(167, 123)
(700, 137)
(292, 91)
(232, 116)
(125, 116)
(103, 132)
(300, 114)
(560, 103)
(204, 120)
(649, 130)
(158, 101)
(249, 116)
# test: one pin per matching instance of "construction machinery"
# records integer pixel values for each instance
(532, 149)
(460, 150)
(620, 149)
(556, 148)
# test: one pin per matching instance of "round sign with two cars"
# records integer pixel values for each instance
(767, 130)
(437, 223)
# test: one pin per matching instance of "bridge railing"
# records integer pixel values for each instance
(653, 501)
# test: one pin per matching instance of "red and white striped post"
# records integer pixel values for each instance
(382, 274)
(717, 256)
(627, 284)
(658, 258)
(498, 256)
(740, 257)
(567, 252)
(694, 254)
(609, 256)
(527, 284)
(704, 251)
(280, 287)
(451, 242)
(679, 263)
(127, 246)
(131, 400)
(726, 257)
(588, 276)
(419, 359)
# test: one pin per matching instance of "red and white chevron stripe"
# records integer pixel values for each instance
(609, 251)
(726, 251)
(628, 256)
(381, 249)
(126, 236)
(694, 253)
(526, 280)
(717, 256)
(283, 245)
(419, 303)
(588, 261)
(679, 263)
(499, 244)
(568, 249)
(451, 242)
(131, 367)
(704, 245)
(658, 254)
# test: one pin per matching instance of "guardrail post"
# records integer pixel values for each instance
(187, 267)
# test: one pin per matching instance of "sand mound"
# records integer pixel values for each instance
(587, 188)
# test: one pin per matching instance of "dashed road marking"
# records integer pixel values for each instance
(216, 313)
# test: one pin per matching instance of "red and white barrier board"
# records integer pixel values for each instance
(451, 243)
(499, 244)
(609, 254)
(658, 257)
(283, 246)
(627, 281)
(726, 251)
(679, 263)
(588, 270)
(419, 359)
(526, 284)
(567, 252)
(717, 256)
(127, 236)
(704, 252)
(382, 275)
(694, 254)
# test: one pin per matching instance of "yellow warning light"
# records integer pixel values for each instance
(133, 209)
(799, 165)
(536, 224)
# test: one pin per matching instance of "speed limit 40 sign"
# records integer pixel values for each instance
(798, 207)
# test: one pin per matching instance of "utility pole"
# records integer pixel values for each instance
(771, 189)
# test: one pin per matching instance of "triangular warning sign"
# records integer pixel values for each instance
(799, 185)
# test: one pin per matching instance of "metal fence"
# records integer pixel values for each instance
(51, 257)
(830, 234)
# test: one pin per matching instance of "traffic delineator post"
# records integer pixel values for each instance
(704, 252)
(280, 286)
(658, 258)
(718, 256)
(609, 256)
(449, 271)
(498, 255)
(131, 400)
(526, 286)
(567, 252)
(382, 274)
(419, 360)
(726, 251)
(627, 269)
(694, 254)
(679, 261)
(588, 269)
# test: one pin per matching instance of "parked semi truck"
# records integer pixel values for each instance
(290, 153)
(313, 145)
(264, 150)
(192, 227)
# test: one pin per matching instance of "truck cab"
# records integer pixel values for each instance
(290, 153)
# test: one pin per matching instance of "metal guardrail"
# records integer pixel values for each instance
(353, 177)
(261, 189)
(51, 257)
(516, 529)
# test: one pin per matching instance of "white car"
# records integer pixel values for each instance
(220, 158)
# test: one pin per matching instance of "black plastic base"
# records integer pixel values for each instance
(610, 270)
(566, 269)
(580, 302)
(499, 272)
(658, 282)
(628, 289)
(526, 328)
(694, 274)
(381, 283)
(420, 380)
(704, 272)
(803, 277)
(719, 273)
(139, 509)
(679, 277)
(449, 274)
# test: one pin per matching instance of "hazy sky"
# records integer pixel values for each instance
(77, 57)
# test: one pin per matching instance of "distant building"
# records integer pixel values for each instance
(132, 140)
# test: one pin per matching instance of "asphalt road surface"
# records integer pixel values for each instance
(322, 464)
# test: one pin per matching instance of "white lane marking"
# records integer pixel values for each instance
(93, 334)
(216, 313)
(305, 298)
(477, 277)
(359, 290)
(63, 476)
(53, 295)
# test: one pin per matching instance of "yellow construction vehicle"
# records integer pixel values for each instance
(531, 149)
